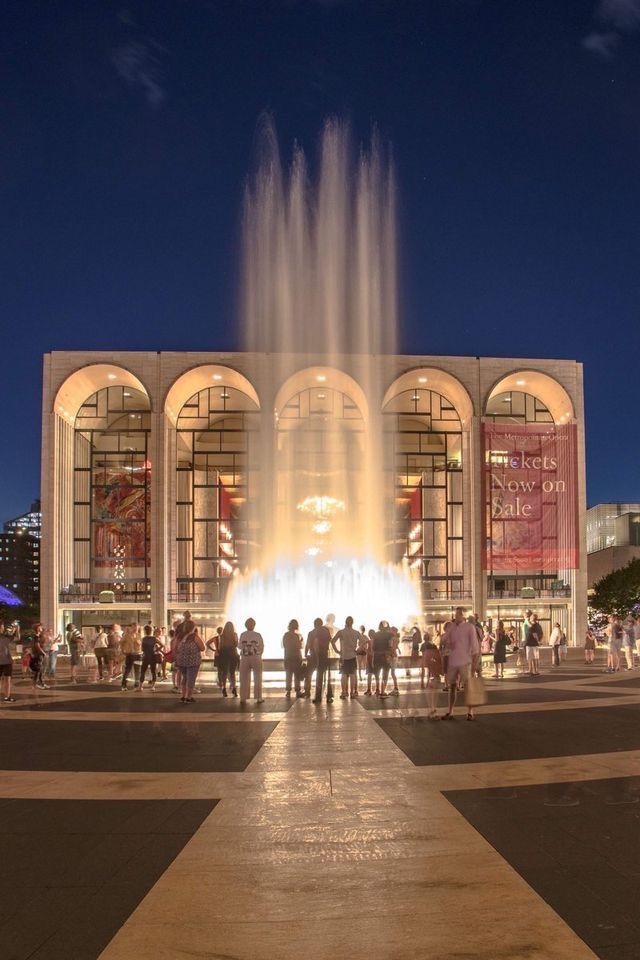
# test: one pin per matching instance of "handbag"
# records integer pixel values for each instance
(475, 693)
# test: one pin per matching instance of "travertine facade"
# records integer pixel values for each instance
(170, 379)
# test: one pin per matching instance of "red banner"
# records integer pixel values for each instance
(530, 484)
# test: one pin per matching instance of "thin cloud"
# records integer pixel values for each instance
(603, 44)
(618, 18)
(139, 65)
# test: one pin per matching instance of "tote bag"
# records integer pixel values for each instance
(474, 692)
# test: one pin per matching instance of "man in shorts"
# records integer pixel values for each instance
(346, 642)
(533, 642)
(6, 664)
(462, 652)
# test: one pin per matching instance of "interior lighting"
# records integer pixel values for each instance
(321, 507)
(322, 396)
(416, 396)
(217, 376)
(520, 383)
(112, 376)
(322, 527)
(422, 379)
(224, 395)
(226, 566)
(415, 531)
(226, 548)
(321, 378)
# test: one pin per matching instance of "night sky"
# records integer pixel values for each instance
(128, 131)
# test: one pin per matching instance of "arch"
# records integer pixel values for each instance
(439, 381)
(330, 377)
(540, 385)
(201, 377)
(85, 381)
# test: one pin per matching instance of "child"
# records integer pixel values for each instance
(432, 663)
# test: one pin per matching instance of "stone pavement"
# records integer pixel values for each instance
(133, 826)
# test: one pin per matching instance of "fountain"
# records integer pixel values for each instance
(319, 286)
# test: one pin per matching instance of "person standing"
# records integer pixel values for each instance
(533, 641)
(461, 648)
(346, 642)
(113, 653)
(100, 647)
(614, 634)
(150, 647)
(292, 644)
(319, 641)
(6, 664)
(628, 641)
(369, 660)
(75, 643)
(432, 664)
(554, 643)
(416, 648)
(382, 641)
(189, 650)
(131, 646)
(500, 645)
(589, 646)
(311, 659)
(362, 651)
(38, 656)
(251, 650)
(228, 658)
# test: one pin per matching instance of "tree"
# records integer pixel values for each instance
(619, 591)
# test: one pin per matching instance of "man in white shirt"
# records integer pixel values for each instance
(462, 650)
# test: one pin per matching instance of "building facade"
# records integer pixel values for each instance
(20, 556)
(613, 538)
(151, 462)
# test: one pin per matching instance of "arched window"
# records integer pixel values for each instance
(319, 472)
(112, 478)
(426, 432)
(515, 406)
(213, 436)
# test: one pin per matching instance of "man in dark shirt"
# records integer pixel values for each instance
(382, 657)
(318, 643)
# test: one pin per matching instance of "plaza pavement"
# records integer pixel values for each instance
(133, 826)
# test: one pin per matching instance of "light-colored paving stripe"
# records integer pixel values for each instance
(376, 864)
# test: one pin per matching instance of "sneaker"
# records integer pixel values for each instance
(260, 701)
(343, 696)
(395, 692)
(288, 695)
(8, 699)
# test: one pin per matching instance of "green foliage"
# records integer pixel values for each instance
(619, 591)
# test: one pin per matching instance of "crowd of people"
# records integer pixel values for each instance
(450, 658)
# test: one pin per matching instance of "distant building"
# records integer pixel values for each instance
(20, 556)
(30, 522)
(613, 538)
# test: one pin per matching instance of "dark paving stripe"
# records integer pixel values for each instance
(154, 703)
(516, 736)
(73, 871)
(561, 674)
(626, 680)
(578, 845)
(495, 695)
(140, 746)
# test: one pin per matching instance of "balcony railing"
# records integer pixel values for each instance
(106, 593)
(529, 593)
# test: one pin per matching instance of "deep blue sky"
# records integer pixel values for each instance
(128, 131)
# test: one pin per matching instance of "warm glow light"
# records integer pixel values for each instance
(217, 376)
(321, 506)
(321, 378)
(112, 376)
(312, 551)
(520, 383)
(361, 588)
(422, 379)
(321, 527)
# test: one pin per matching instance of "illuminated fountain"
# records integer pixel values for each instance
(319, 297)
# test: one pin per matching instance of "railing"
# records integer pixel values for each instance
(105, 593)
(531, 594)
